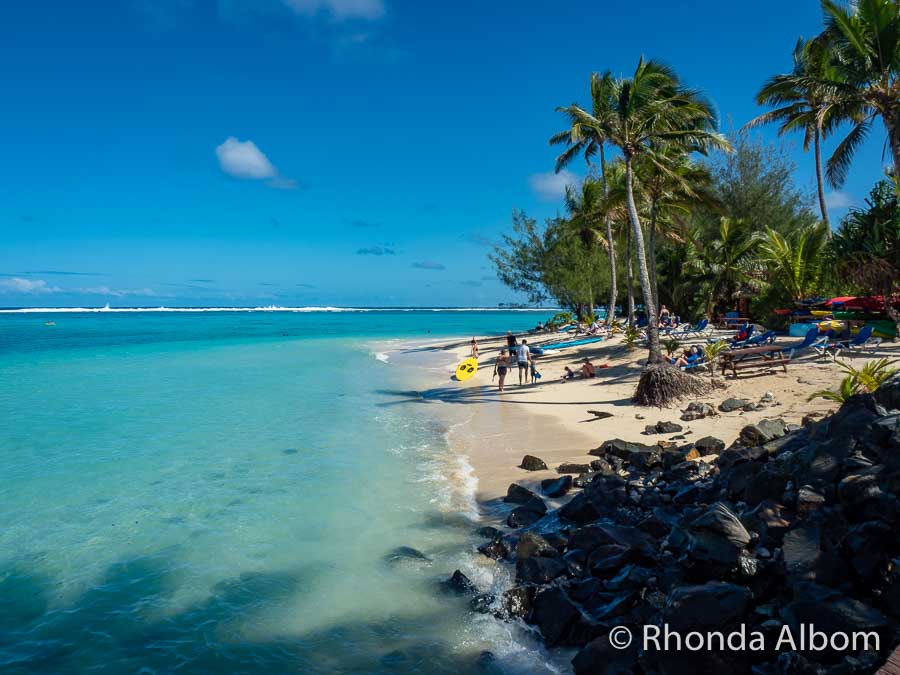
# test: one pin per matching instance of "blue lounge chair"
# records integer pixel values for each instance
(700, 328)
(749, 329)
(862, 340)
(811, 341)
(757, 341)
(698, 363)
(687, 330)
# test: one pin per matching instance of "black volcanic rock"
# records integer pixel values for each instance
(568, 467)
(516, 494)
(710, 606)
(538, 570)
(532, 463)
(709, 445)
(556, 487)
(459, 584)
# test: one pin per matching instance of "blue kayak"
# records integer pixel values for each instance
(572, 343)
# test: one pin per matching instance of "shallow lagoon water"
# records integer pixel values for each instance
(218, 492)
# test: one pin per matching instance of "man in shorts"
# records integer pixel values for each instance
(523, 358)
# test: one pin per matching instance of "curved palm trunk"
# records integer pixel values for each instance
(655, 355)
(654, 284)
(820, 183)
(629, 275)
(613, 291)
(893, 129)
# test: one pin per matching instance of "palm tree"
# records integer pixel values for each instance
(795, 262)
(801, 103)
(651, 111)
(725, 261)
(863, 40)
(586, 135)
(672, 183)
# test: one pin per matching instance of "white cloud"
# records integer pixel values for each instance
(242, 159)
(551, 186)
(33, 286)
(340, 10)
(839, 200)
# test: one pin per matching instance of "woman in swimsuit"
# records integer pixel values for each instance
(474, 348)
(501, 367)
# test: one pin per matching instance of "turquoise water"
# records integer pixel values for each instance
(216, 492)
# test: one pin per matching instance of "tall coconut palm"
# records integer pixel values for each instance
(671, 183)
(652, 110)
(863, 39)
(801, 102)
(586, 136)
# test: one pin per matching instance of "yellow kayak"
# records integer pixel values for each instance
(466, 369)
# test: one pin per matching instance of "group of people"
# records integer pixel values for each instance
(667, 320)
(515, 354)
(587, 371)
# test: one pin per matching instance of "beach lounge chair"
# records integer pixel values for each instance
(688, 330)
(698, 364)
(746, 332)
(811, 341)
(757, 341)
(862, 340)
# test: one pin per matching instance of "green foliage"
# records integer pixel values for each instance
(560, 319)
(862, 39)
(671, 345)
(712, 352)
(724, 263)
(632, 336)
(755, 185)
(795, 261)
(866, 380)
(866, 248)
(549, 263)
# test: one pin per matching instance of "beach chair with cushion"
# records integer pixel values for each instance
(743, 336)
(698, 364)
(701, 327)
(812, 341)
(758, 340)
(862, 340)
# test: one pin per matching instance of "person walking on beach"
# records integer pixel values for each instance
(474, 348)
(501, 366)
(510, 341)
(523, 356)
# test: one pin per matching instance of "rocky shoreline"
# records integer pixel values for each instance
(789, 527)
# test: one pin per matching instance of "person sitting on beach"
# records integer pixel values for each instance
(587, 369)
(474, 348)
(664, 315)
(689, 358)
(569, 375)
(501, 366)
(523, 357)
(539, 327)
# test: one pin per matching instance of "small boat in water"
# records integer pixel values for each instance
(49, 323)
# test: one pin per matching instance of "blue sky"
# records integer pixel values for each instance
(313, 152)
